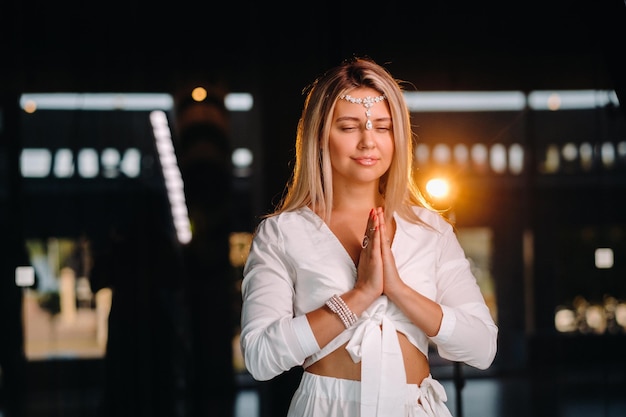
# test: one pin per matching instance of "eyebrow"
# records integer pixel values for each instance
(353, 118)
(347, 118)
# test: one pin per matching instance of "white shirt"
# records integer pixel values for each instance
(296, 263)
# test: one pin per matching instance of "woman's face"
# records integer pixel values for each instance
(361, 147)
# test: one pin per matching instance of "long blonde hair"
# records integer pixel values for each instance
(311, 180)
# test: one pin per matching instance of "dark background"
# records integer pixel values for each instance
(273, 51)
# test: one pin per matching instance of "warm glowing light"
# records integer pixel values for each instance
(586, 156)
(620, 314)
(607, 154)
(30, 106)
(553, 102)
(569, 151)
(438, 188)
(565, 320)
(239, 247)
(596, 318)
(198, 94)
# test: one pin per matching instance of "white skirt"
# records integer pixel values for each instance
(318, 396)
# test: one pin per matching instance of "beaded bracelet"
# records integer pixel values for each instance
(339, 307)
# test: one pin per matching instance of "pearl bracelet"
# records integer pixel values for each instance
(339, 307)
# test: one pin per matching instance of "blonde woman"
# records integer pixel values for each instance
(354, 273)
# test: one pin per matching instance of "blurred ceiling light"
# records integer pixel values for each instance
(596, 318)
(35, 162)
(63, 163)
(441, 153)
(461, 154)
(423, 101)
(417, 101)
(604, 258)
(122, 101)
(565, 320)
(24, 276)
(569, 151)
(110, 159)
(131, 163)
(497, 158)
(586, 155)
(479, 154)
(516, 158)
(422, 153)
(571, 99)
(242, 160)
(96, 101)
(552, 161)
(242, 157)
(620, 314)
(88, 166)
(621, 149)
(238, 101)
(607, 154)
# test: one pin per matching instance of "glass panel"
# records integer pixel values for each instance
(478, 245)
(62, 316)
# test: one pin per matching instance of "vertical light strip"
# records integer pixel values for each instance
(172, 175)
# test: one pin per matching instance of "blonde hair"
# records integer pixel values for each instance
(311, 179)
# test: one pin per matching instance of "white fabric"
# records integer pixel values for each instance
(296, 263)
(332, 397)
(382, 392)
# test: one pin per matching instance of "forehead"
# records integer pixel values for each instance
(361, 99)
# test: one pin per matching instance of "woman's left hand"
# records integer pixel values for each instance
(391, 279)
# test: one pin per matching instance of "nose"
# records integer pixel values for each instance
(367, 140)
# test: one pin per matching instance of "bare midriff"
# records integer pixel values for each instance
(339, 364)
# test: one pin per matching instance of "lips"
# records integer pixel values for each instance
(366, 160)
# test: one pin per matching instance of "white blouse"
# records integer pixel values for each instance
(296, 263)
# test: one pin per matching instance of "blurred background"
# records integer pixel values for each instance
(140, 143)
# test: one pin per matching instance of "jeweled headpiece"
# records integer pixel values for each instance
(367, 102)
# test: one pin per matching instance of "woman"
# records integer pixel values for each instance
(354, 273)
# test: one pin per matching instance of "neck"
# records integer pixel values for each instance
(357, 198)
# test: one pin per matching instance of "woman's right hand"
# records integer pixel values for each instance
(370, 267)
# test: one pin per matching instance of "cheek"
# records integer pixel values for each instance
(337, 148)
(333, 154)
(387, 146)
